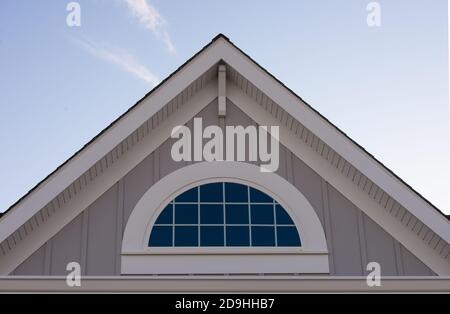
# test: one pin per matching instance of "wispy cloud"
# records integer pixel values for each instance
(120, 58)
(151, 19)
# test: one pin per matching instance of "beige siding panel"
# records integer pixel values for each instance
(235, 117)
(66, 247)
(282, 172)
(136, 183)
(412, 265)
(327, 226)
(344, 223)
(309, 183)
(380, 247)
(35, 264)
(210, 115)
(101, 244)
(166, 164)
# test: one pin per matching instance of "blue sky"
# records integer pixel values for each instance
(387, 87)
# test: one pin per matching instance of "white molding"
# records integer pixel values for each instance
(225, 284)
(224, 251)
(138, 258)
(347, 188)
(119, 169)
(222, 79)
(225, 264)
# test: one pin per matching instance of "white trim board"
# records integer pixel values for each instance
(224, 284)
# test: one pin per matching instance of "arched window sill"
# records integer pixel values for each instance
(261, 262)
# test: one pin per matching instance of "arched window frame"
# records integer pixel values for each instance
(139, 258)
(224, 214)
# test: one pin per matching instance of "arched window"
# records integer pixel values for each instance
(224, 215)
(223, 218)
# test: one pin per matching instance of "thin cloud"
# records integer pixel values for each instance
(122, 59)
(151, 19)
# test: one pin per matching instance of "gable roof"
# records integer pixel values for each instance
(219, 36)
(333, 135)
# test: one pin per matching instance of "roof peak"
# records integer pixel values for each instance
(219, 36)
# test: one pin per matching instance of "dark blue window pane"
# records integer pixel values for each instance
(283, 217)
(238, 236)
(166, 216)
(186, 214)
(211, 214)
(190, 196)
(211, 236)
(268, 229)
(186, 236)
(262, 214)
(288, 236)
(259, 197)
(237, 214)
(263, 236)
(236, 193)
(161, 237)
(211, 193)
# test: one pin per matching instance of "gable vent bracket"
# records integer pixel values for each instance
(222, 93)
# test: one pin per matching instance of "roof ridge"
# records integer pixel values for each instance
(219, 36)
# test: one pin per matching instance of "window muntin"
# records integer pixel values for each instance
(224, 215)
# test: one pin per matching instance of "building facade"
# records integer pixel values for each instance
(135, 219)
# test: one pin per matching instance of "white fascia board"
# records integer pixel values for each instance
(337, 141)
(224, 284)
